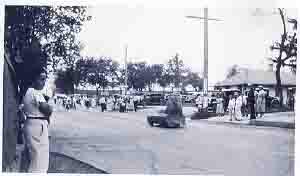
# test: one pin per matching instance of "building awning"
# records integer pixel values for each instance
(258, 77)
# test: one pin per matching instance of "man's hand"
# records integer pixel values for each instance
(46, 109)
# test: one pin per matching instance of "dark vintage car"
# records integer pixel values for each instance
(166, 121)
(154, 99)
(170, 117)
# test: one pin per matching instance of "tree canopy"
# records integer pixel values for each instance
(286, 50)
(38, 36)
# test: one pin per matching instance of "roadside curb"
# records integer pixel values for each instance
(272, 124)
(249, 123)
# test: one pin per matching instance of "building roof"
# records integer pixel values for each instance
(259, 77)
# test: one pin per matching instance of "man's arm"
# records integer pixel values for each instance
(45, 108)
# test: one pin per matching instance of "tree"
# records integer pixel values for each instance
(175, 69)
(138, 75)
(232, 71)
(102, 72)
(47, 33)
(152, 74)
(195, 80)
(65, 81)
(164, 80)
(287, 52)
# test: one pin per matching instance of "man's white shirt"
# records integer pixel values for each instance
(31, 101)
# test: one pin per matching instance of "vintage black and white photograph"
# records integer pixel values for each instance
(118, 89)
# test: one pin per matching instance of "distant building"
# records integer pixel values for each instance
(267, 79)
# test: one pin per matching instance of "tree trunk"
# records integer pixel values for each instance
(97, 91)
(72, 89)
(278, 84)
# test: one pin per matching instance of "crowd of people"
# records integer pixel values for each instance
(237, 105)
(105, 103)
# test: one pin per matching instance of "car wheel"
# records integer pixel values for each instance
(150, 122)
(275, 104)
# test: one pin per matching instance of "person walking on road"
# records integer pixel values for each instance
(37, 112)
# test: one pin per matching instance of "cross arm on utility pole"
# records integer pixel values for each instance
(203, 18)
(205, 70)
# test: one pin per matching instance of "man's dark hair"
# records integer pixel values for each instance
(35, 62)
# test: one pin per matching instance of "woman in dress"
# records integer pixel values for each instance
(220, 106)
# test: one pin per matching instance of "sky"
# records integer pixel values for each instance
(155, 35)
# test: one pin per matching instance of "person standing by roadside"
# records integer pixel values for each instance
(244, 105)
(102, 103)
(256, 95)
(205, 102)
(230, 107)
(261, 102)
(251, 102)
(136, 100)
(220, 106)
(37, 112)
(199, 102)
(238, 106)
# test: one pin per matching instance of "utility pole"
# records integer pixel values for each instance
(126, 71)
(205, 74)
(205, 70)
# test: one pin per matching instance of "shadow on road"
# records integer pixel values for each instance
(60, 163)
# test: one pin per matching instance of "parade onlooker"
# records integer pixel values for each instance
(68, 103)
(220, 105)
(199, 102)
(110, 104)
(136, 100)
(37, 112)
(74, 102)
(256, 95)
(102, 103)
(130, 104)
(261, 101)
(251, 103)
(230, 107)
(122, 104)
(238, 106)
(244, 106)
(291, 102)
(205, 102)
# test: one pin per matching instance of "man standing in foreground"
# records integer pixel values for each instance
(37, 112)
